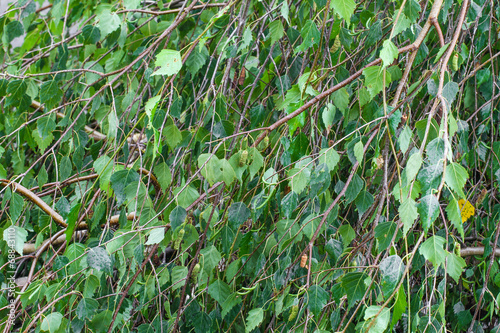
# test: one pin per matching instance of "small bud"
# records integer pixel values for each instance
(243, 158)
(293, 312)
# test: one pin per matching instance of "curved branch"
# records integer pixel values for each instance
(16, 187)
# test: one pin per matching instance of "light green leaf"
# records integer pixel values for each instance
(328, 115)
(455, 177)
(345, 8)
(51, 322)
(163, 175)
(380, 322)
(227, 174)
(358, 151)
(347, 233)
(389, 53)
(276, 31)
(155, 236)
(254, 319)
(413, 166)
(408, 214)
(432, 250)
(169, 61)
(453, 213)
(150, 109)
(329, 157)
(179, 274)
(404, 139)
(454, 265)
(219, 290)
(15, 237)
(374, 79)
(300, 179)
(341, 100)
(108, 22)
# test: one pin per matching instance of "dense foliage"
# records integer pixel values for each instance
(250, 166)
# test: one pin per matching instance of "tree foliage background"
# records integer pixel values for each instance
(250, 166)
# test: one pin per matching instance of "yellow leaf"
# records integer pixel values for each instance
(466, 209)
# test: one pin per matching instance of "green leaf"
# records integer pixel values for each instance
(389, 53)
(455, 177)
(227, 174)
(108, 22)
(363, 201)
(120, 180)
(345, 8)
(210, 167)
(391, 270)
(16, 207)
(254, 318)
(408, 214)
(453, 213)
(399, 306)
(341, 100)
(450, 91)
(150, 108)
(354, 286)
(454, 266)
(90, 34)
(328, 115)
(51, 322)
(17, 88)
(155, 236)
(15, 237)
(374, 79)
(432, 250)
(169, 61)
(163, 175)
(310, 36)
(50, 93)
(353, 189)
(238, 213)
(428, 209)
(104, 167)
(276, 31)
(210, 258)
(289, 203)
(317, 299)
(300, 179)
(177, 217)
(98, 258)
(12, 30)
(179, 274)
(87, 308)
(219, 290)
(173, 134)
(197, 60)
(329, 157)
(404, 139)
(358, 151)
(71, 221)
(229, 304)
(379, 323)
(413, 166)
(384, 232)
(347, 233)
